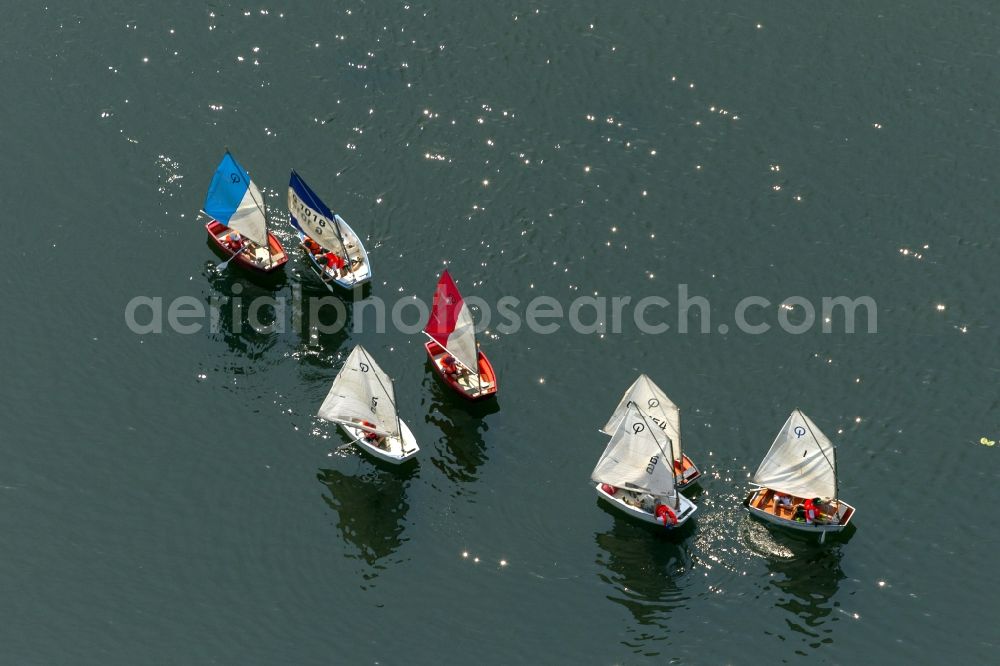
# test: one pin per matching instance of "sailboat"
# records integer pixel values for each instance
(362, 401)
(665, 415)
(238, 224)
(634, 476)
(452, 346)
(322, 233)
(799, 470)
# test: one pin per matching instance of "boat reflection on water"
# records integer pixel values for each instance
(371, 512)
(643, 567)
(245, 312)
(462, 424)
(246, 315)
(808, 584)
(805, 577)
(323, 324)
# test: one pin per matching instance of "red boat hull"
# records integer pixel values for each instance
(472, 391)
(217, 231)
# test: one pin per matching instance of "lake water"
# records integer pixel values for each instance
(171, 498)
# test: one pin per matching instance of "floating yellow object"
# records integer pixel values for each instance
(986, 442)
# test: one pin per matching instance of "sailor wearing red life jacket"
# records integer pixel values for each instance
(333, 261)
(666, 514)
(234, 242)
(812, 509)
(449, 366)
(370, 437)
(313, 246)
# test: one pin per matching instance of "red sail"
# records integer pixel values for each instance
(445, 310)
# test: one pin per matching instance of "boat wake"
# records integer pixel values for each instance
(762, 543)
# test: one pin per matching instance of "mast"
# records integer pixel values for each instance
(679, 451)
(479, 375)
(475, 345)
(388, 394)
(399, 425)
(263, 209)
(833, 463)
(836, 477)
(267, 235)
(677, 495)
(343, 246)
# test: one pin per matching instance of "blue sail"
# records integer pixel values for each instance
(309, 197)
(234, 200)
(229, 185)
(313, 217)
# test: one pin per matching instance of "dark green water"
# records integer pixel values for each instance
(171, 499)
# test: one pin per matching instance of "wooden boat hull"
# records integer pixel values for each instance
(761, 504)
(399, 449)
(467, 387)
(360, 273)
(686, 473)
(617, 500)
(258, 261)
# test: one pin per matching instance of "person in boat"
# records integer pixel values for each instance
(666, 514)
(237, 244)
(813, 511)
(799, 513)
(234, 241)
(450, 367)
(312, 246)
(827, 510)
(782, 501)
(334, 264)
(374, 438)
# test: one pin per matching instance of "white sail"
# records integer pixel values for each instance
(362, 392)
(800, 462)
(635, 457)
(249, 217)
(462, 341)
(655, 404)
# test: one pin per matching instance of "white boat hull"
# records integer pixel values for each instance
(398, 449)
(360, 272)
(766, 513)
(684, 513)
